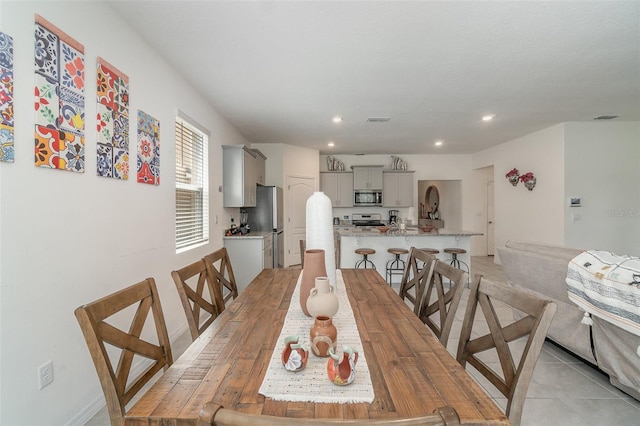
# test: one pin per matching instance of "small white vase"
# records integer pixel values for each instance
(322, 299)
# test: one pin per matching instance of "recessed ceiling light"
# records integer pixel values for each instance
(438, 143)
(331, 144)
(337, 119)
(488, 117)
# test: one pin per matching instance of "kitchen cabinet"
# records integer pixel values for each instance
(259, 167)
(338, 186)
(238, 176)
(249, 255)
(367, 177)
(397, 189)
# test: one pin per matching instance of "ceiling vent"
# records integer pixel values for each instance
(605, 117)
(378, 119)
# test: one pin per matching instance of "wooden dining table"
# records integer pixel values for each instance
(411, 371)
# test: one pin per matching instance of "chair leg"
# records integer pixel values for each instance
(364, 262)
(457, 263)
(394, 268)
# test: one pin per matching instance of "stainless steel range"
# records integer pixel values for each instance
(366, 219)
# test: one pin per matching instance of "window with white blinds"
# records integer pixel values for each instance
(192, 192)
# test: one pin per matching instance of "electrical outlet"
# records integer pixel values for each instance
(45, 374)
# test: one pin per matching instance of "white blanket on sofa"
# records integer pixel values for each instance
(607, 286)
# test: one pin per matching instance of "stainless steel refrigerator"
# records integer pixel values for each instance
(268, 215)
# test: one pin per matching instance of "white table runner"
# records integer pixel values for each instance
(312, 384)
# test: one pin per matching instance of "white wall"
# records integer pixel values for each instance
(520, 214)
(450, 206)
(596, 161)
(602, 167)
(67, 238)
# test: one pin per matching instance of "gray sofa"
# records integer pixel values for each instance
(541, 269)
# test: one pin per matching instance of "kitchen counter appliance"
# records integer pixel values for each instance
(393, 216)
(366, 219)
(268, 216)
(367, 198)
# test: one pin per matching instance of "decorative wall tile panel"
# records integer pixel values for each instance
(105, 160)
(6, 51)
(46, 52)
(148, 156)
(6, 99)
(6, 143)
(46, 148)
(104, 121)
(6, 96)
(59, 99)
(47, 102)
(120, 163)
(112, 95)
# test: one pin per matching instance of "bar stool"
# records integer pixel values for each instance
(396, 265)
(455, 262)
(365, 260)
(431, 251)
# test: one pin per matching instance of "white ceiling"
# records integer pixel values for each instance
(279, 71)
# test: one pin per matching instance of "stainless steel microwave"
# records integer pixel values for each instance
(367, 198)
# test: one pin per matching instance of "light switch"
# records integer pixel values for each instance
(575, 217)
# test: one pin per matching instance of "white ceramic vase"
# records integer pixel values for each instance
(320, 231)
(322, 300)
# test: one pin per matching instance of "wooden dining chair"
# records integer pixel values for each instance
(513, 381)
(444, 304)
(198, 295)
(215, 415)
(417, 274)
(99, 333)
(221, 277)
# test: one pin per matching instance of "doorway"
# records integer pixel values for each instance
(491, 239)
(299, 189)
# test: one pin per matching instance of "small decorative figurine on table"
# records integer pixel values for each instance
(341, 368)
(294, 354)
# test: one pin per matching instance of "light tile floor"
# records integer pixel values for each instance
(564, 390)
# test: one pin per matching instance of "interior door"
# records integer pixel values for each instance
(491, 242)
(299, 189)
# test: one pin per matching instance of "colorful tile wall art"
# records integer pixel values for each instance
(112, 121)
(148, 161)
(59, 99)
(6, 98)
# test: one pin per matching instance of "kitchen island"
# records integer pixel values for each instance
(439, 239)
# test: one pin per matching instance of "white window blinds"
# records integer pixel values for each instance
(192, 193)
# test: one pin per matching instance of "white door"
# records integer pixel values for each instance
(299, 189)
(491, 242)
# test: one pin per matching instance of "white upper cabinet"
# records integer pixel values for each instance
(367, 177)
(398, 189)
(338, 186)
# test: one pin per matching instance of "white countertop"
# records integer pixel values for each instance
(373, 232)
(250, 235)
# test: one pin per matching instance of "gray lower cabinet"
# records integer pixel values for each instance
(249, 255)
